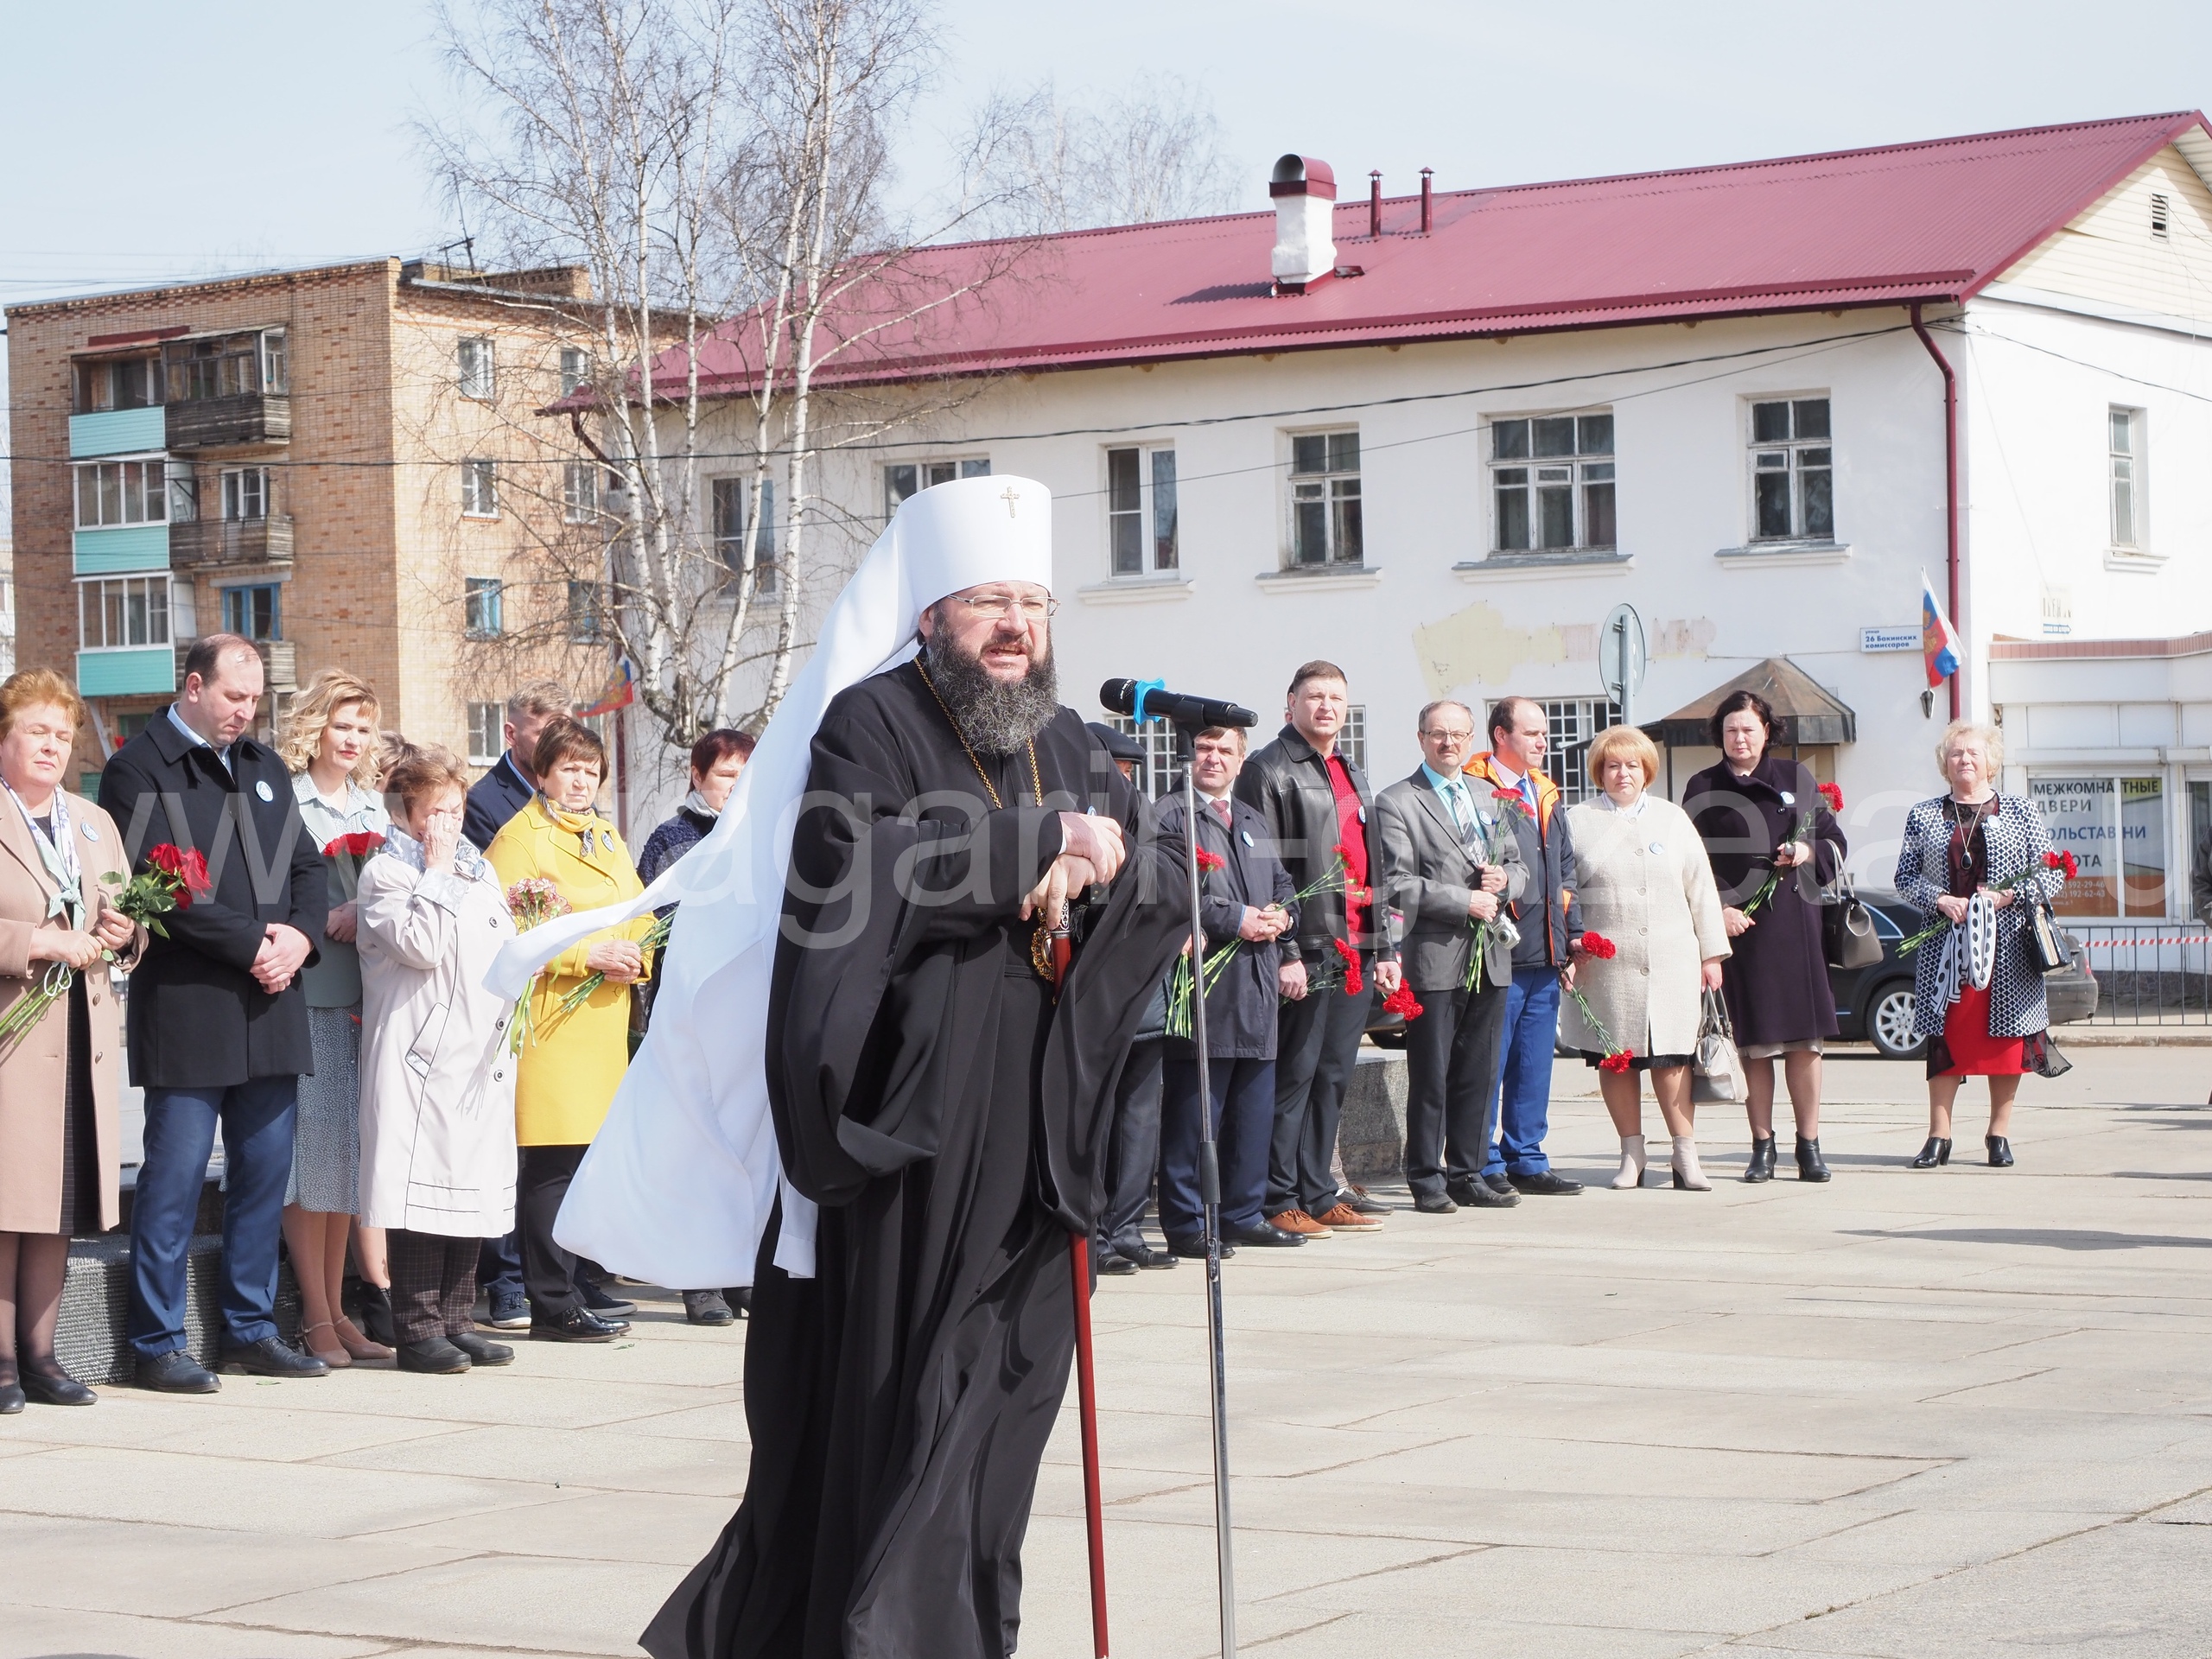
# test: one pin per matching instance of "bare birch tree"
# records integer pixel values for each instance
(1151, 151)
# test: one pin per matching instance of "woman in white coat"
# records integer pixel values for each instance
(437, 1076)
(1645, 884)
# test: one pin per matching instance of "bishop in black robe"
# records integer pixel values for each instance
(948, 1112)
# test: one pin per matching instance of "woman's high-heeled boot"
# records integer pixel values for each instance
(1761, 1168)
(1810, 1166)
(2000, 1151)
(1937, 1151)
(1631, 1170)
(1688, 1178)
(376, 1316)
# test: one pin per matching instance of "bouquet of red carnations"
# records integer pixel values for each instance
(1832, 794)
(1616, 1059)
(2061, 863)
(173, 878)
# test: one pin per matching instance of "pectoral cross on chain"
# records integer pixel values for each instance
(1010, 498)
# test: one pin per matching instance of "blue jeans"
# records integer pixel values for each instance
(256, 1119)
(1523, 1109)
(1244, 1125)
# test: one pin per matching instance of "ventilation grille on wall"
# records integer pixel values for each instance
(2158, 215)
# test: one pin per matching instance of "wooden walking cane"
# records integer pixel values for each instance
(1087, 1394)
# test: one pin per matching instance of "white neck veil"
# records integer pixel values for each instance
(676, 1187)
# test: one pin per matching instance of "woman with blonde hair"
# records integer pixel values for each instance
(1645, 887)
(61, 1081)
(1974, 858)
(330, 742)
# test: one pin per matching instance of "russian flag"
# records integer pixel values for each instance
(619, 691)
(1939, 641)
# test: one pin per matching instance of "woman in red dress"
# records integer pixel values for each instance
(1970, 841)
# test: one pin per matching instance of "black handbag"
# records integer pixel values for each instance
(2043, 941)
(1847, 934)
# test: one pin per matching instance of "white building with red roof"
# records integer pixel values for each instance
(1439, 438)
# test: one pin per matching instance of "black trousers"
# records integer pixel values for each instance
(542, 1177)
(1243, 1117)
(1132, 1152)
(1317, 1044)
(1452, 1060)
(433, 1284)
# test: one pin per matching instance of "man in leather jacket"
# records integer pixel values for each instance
(1314, 801)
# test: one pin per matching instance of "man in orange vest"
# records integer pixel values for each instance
(1543, 962)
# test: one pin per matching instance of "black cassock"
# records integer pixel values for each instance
(950, 1117)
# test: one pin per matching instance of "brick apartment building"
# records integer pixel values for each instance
(345, 464)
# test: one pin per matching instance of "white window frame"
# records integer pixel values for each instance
(475, 367)
(575, 369)
(733, 491)
(483, 614)
(1570, 725)
(1143, 533)
(245, 493)
(480, 489)
(1584, 479)
(276, 362)
(1334, 487)
(2125, 480)
(488, 739)
(902, 479)
(127, 486)
(580, 492)
(1806, 463)
(1352, 736)
(587, 618)
(154, 593)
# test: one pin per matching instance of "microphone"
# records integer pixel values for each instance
(1147, 699)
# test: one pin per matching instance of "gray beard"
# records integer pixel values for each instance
(996, 718)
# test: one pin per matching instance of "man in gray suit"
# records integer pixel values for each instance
(1448, 865)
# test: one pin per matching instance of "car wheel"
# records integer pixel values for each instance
(1889, 1022)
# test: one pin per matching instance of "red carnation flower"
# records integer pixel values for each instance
(1832, 794)
(360, 845)
(2061, 862)
(1344, 852)
(1401, 1002)
(1618, 1062)
(1353, 982)
(1598, 945)
(1208, 862)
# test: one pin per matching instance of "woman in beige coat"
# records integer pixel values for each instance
(1644, 883)
(59, 1080)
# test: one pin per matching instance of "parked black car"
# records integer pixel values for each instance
(1875, 1003)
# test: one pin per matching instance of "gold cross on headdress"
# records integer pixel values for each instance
(1010, 498)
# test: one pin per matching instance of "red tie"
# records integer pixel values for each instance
(1222, 807)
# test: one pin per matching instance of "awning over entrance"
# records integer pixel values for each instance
(1804, 714)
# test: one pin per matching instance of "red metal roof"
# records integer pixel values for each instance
(1932, 220)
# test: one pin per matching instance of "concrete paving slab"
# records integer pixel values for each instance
(28, 1632)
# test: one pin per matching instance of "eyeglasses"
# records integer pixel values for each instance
(996, 606)
(1449, 737)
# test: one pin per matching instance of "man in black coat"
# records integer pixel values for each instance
(1315, 800)
(492, 799)
(217, 1024)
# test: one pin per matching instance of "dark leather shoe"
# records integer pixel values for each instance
(578, 1325)
(1151, 1259)
(1811, 1166)
(1365, 1203)
(432, 1356)
(607, 1306)
(740, 1300)
(56, 1387)
(1479, 1194)
(1500, 1182)
(482, 1350)
(11, 1398)
(2000, 1157)
(1545, 1183)
(706, 1307)
(176, 1372)
(1262, 1237)
(271, 1356)
(1936, 1152)
(1114, 1265)
(1761, 1168)
(375, 1314)
(1193, 1248)
(1434, 1203)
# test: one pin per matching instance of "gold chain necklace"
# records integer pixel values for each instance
(1036, 778)
(1040, 943)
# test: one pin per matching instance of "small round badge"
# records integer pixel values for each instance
(263, 790)
(1788, 799)
(1658, 847)
(91, 831)
(1247, 834)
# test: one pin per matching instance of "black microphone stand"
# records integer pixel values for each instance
(1210, 1198)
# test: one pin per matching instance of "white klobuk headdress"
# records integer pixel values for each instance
(676, 1187)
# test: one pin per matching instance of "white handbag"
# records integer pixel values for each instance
(1717, 1073)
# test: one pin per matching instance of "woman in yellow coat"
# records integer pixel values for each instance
(572, 1062)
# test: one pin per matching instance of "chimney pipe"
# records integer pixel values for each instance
(1427, 208)
(1375, 202)
(1304, 193)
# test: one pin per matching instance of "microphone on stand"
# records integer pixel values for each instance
(1149, 699)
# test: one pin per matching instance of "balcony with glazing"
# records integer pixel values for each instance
(227, 391)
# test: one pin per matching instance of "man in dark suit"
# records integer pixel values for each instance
(492, 799)
(506, 788)
(1449, 862)
(217, 1024)
(1315, 800)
